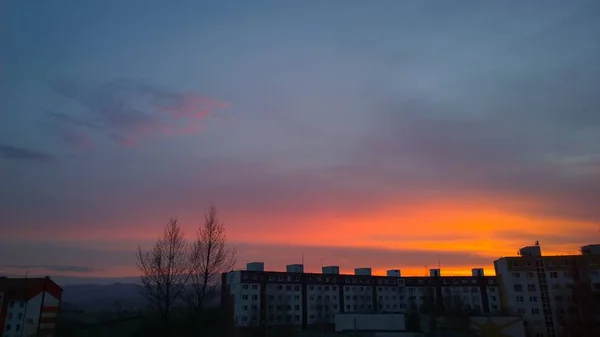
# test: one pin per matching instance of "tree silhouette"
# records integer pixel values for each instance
(210, 257)
(165, 272)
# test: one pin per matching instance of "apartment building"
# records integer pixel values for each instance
(538, 287)
(260, 298)
(28, 307)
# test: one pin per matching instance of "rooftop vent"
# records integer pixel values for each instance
(255, 266)
(394, 273)
(535, 250)
(294, 268)
(331, 270)
(362, 271)
(477, 272)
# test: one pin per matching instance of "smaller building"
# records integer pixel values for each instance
(29, 307)
(369, 322)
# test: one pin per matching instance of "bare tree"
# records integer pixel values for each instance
(210, 257)
(165, 271)
(582, 317)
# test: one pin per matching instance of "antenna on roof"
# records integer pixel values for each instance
(26, 272)
(537, 243)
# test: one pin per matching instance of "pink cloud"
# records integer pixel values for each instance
(129, 112)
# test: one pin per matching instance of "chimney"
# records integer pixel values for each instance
(434, 272)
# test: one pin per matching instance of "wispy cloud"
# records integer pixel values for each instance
(21, 153)
(128, 112)
(54, 268)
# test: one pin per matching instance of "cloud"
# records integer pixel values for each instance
(128, 112)
(20, 153)
(526, 129)
(55, 268)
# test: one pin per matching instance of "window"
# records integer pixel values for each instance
(20, 316)
(245, 286)
(515, 263)
(553, 274)
(311, 288)
(533, 299)
(7, 327)
(255, 286)
(334, 288)
(517, 275)
(288, 288)
(493, 298)
(254, 297)
(10, 315)
(518, 287)
(520, 299)
(297, 318)
(494, 307)
(18, 327)
(521, 311)
(535, 311)
(12, 304)
(244, 297)
(531, 287)
(530, 274)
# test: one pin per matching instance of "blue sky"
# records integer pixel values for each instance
(303, 120)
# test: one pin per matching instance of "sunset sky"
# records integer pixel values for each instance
(383, 134)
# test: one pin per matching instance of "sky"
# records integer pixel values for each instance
(384, 134)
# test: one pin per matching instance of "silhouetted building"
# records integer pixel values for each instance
(264, 299)
(29, 307)
(539, 287)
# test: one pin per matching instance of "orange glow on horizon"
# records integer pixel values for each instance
(478, 228)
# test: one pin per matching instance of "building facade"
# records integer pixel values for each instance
(28, 307)
(264, 299)
(539, 288)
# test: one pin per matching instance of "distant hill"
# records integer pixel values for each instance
(116, 296)
(103, 297)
